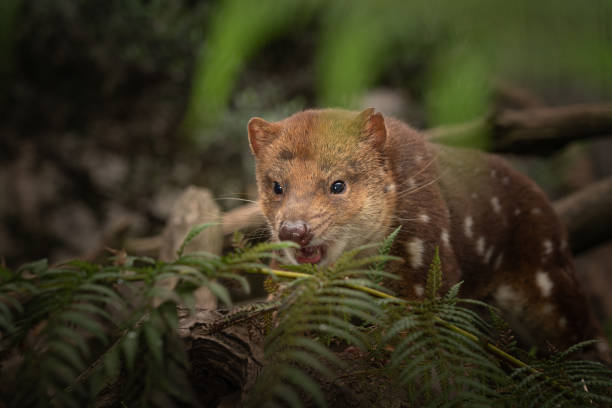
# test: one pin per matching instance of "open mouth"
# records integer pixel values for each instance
(310, 254)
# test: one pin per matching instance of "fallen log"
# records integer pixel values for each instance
(536, 130)
(588, 215)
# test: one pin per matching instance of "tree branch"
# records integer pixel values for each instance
(544, 129)
(538, 130)
(587, 215)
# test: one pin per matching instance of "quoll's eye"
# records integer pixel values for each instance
(278, 189)
(337, 187)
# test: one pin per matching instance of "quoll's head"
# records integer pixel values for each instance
(323, 181)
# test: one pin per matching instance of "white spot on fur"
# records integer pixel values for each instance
(493, 173)
(602, 346)
(517, 211)
(390, 187)
(563, 245)
(506, 181)
(445, 238)
(536, 211)
(498, 260)
(411, 183)
(509, 299)
(467, 226)
(418, 158)
(548, 247)
(489, 254)
(480, 245)
(415, 250)
(495, 204)
(562, 322)
(424, 218)
(474, 196)
(544, 283)
(419, 290)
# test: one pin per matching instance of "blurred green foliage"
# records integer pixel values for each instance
(238, 29)
(8, 14)
(448, 53)
(460, 46)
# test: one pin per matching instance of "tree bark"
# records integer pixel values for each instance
(537, 130)
(588, 215)
(226, 354)
(195, 206)
(543, 129)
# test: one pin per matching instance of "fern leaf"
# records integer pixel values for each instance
(112, 363)
(192, 234)
(434, 277)
(288, 394)
(317, 349)
(454, 291)
(74, 337)
(92, 309)
(85, 322)
(154, 342)
(574, 349)
(69, 354)
(64, 374)
(102, 290)
(385, 249)
(309, 360)
(299, 379)
(129, 346)
(36, 267)
(220, 292)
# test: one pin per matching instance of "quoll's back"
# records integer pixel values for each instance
(332, 180)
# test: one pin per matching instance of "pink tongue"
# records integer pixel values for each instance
(308, 255)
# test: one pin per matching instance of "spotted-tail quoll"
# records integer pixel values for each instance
(331, 180)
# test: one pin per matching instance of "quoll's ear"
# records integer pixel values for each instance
(373, 127)
(261, 133)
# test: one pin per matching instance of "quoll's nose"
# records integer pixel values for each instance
(296, 231)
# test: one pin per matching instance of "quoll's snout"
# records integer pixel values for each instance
(296, 231)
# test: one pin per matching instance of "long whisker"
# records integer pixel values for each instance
(422, 186)
(404, 219)
(426, 166)
(236, 199)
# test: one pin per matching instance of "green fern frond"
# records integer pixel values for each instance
(564, 383)
(434, 277)
(90, 331)
(434, 362)
(90, 328)
(385, 249)
(453, 291)
(192, 234)
(324, 306)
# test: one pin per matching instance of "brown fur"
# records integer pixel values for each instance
(494, 228)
